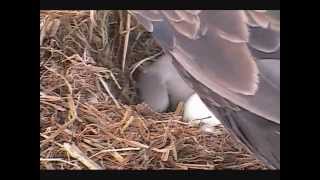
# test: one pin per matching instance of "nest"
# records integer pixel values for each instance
(90, 118)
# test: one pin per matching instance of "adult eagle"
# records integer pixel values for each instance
(231, 58)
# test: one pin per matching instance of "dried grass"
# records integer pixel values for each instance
(89, 119)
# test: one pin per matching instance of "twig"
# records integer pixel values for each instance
(57, 107)
(196, 166)
(126, 41)
(136, 65)
(106, 87)
(127, 124)
(60, 160)
(114, 79)
(76, 153)
(93, 23)
(115, 150)
(131, 29)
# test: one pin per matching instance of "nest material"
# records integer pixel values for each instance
(89, 117)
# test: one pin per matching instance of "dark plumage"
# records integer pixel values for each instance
(232, 60)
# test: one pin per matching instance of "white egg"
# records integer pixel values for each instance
(196, 112)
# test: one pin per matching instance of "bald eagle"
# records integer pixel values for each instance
(231, 59)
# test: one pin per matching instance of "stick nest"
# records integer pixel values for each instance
(90, 118)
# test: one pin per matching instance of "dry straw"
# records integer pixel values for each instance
(88, 116)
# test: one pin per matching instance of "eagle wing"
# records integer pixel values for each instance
(231, 57)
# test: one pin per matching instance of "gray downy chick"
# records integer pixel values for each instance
(161, 87)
